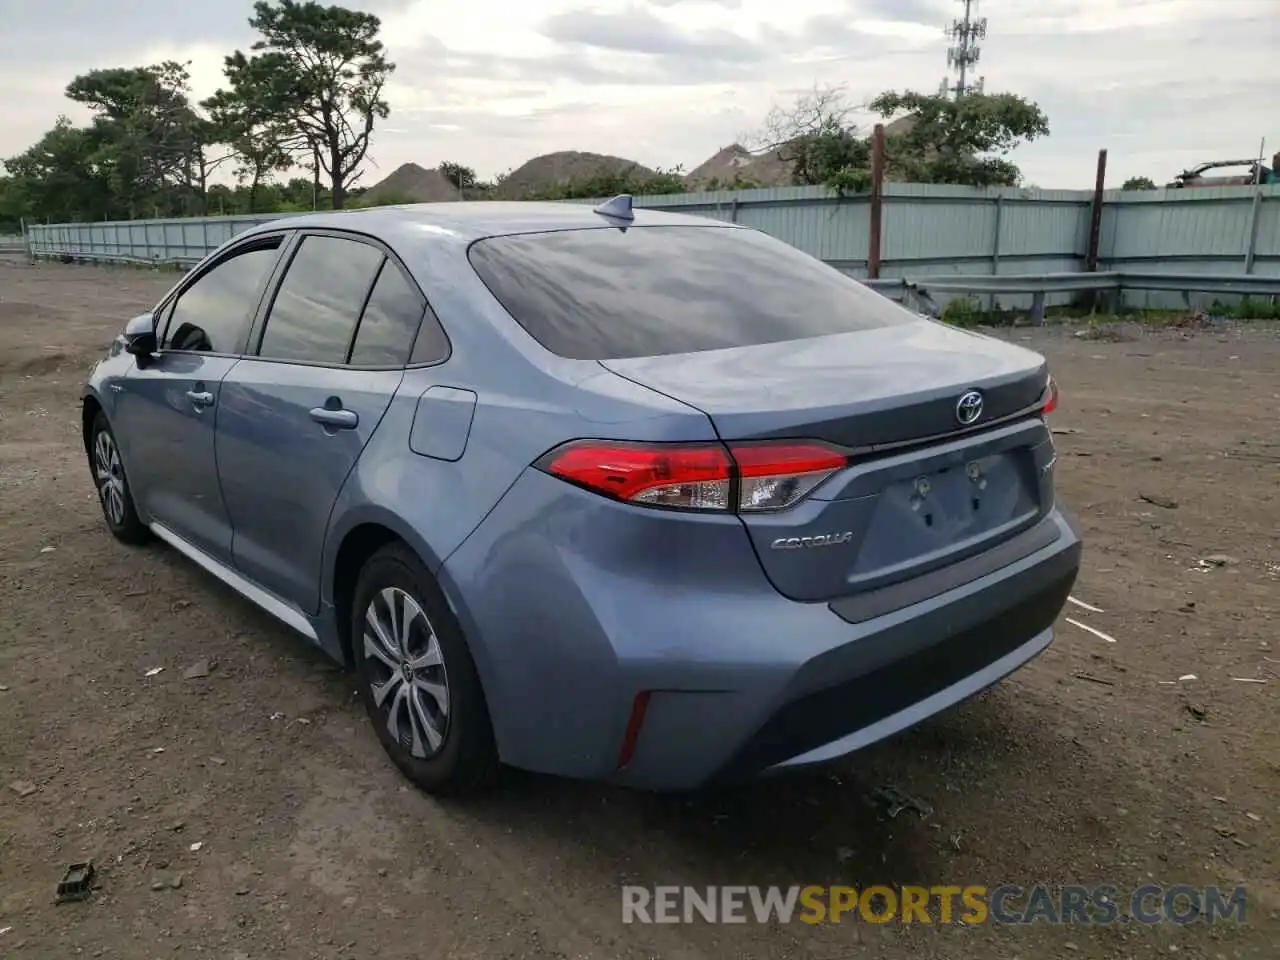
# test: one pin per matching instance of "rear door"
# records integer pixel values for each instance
(167, 410)
(297, 412)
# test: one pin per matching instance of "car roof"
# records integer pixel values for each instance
(474, 220)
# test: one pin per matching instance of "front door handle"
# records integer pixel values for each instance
(200, 398)
(338, 419)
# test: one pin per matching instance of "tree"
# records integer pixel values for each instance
(636, 183)
(321, 71)
(14, 204)
(150, 141)
(816, 137)
(946, 138)
(247, 116)
(1139, 183)
(60, 177)
(464, 178)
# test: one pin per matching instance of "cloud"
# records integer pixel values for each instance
(1163, 84)
(91, 33)
(726, 4)
(932, 13)
(637, 30)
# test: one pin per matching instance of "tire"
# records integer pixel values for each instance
(444, 744)
(114, 494)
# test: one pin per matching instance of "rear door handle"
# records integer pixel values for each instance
(200, 398)
(338, 419)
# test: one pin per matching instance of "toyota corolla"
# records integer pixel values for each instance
(597, 492)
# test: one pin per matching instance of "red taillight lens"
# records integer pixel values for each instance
(695, 477)
(1051, 402)
(749, 477)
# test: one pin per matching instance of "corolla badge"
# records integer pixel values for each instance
(969, 408)
(819, 540)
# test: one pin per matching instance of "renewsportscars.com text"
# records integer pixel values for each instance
(972, 904)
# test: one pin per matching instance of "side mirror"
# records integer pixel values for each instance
(140, 336)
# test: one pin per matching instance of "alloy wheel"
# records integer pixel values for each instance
(406, 672)
(110, 476)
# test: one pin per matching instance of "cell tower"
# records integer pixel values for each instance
(964, 52)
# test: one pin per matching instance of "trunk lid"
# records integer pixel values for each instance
(922, 489)
(866, 388)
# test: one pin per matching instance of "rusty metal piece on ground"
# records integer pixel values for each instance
(76, 882)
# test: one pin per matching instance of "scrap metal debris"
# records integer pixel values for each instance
(1158, 501)
(1089, 629)
(153, 671)
(1092, 679)
(1087, 606)
(1218, 560)
(895, 801)
(75, 883)
(197, 670)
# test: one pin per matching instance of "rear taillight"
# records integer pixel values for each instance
(776, 475)
(695, 477)
(1051, 397)
(746, 477)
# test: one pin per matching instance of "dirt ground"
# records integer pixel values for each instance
(1095, 764)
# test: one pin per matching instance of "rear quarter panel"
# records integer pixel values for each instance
(526, 402)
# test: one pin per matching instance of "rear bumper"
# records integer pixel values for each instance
(934, 667)
(888, 674)
(741, 681)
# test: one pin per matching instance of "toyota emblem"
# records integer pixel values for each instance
(969, 408)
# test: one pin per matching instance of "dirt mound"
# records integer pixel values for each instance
(902, 125)
(412, 183)
(735, 164)
(561, 167)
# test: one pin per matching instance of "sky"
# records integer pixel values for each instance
(1161, 84)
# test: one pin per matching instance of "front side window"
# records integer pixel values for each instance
(314, 314)
(213, 314)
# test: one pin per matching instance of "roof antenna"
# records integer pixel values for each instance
(619, 208)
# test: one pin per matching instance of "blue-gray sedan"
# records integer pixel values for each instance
(589, 491)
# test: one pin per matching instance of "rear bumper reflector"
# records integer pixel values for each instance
(634, 723)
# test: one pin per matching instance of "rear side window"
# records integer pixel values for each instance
(390, 321)
(607, 294)
(314, 314)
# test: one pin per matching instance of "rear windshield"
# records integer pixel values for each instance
(607, 294)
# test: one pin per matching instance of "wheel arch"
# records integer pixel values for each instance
(90, 407)
(350, 546)
(351, 542)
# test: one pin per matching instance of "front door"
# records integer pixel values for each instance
(168, 409)
(295, 418)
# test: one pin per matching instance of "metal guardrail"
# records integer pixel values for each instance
(109, 258)
(918, 291)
